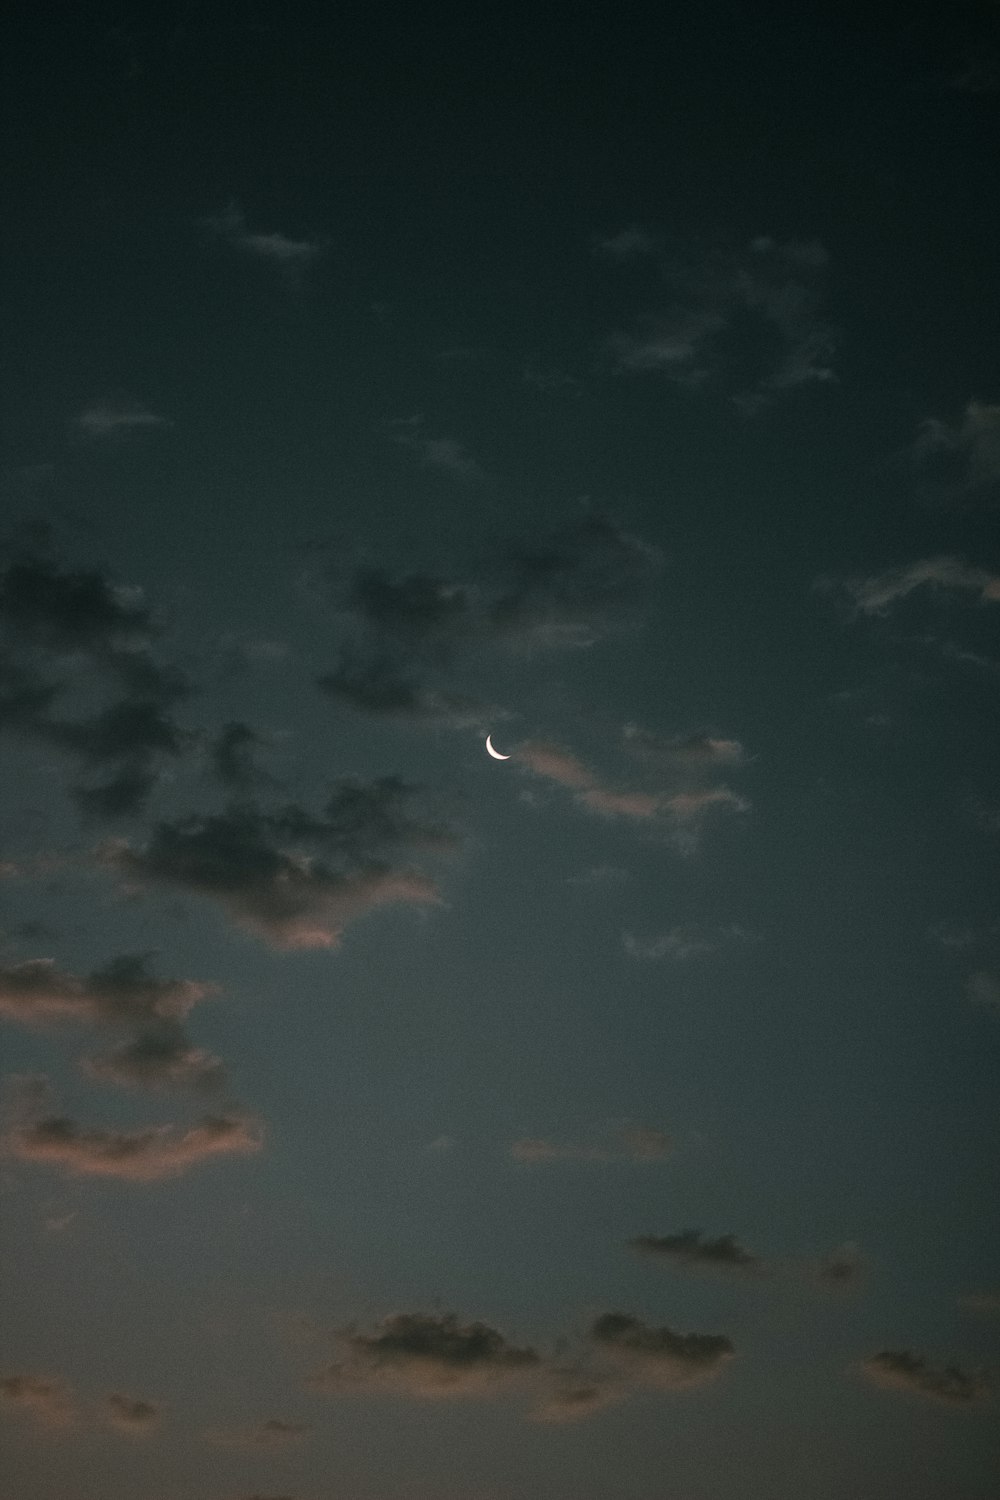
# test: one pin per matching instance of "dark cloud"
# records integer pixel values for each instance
(426, 1355)
(900, 1369)
(271, 1433)
(659, 1356)
(123, 992)
(689, 1249)
(576, 1395)
(64, 631)
(746, 325)
(43, 1398)
(132, 1415)
(253, 864)
(408, 631)
(131, 1156)
(843, 1269)
(232, 756)
(160, 1058)
(960, 463)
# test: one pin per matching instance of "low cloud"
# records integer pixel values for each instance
(660, 1357)
(131, 1414)
(426, 1355)
(899, 1369)
(123, 992)
(46, 1400)
(150, 1155)
(231, 227)
(637, 1143)
(266, 869)
(690, 1251)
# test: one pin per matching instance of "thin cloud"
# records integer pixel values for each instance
(628, 244)
(150, 1155)
(984, 989)
(747, 325)
(45, 1400)
(876, 595)
(843, 1269)
(660, 1357)
(103, 419)
(637, 1143)
(445, 454)
(231, 227)
(902, 1370)
(690, 1251)
(426, 1355)
(131, 1414)
(960, 462)
(163, 1058)
(576, 1395)
(685, 942)
(987, 1303)
(273, 1432)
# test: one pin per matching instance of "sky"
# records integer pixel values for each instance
(614, 1118)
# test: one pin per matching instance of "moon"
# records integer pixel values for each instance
(495, 753)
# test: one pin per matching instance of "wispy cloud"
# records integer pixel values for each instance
(273, 1432)
(231, 227)
(132, 1415)
(960, 462)
(900, 1369)
(747, 325)
(117, 419)
(636, 1143)
(685, 942)
(875, 595)
(46, 1400)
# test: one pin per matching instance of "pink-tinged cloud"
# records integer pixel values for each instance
(555, 764)
(44, 1399)
(640, 1143)
(612, 804)
(130, 1156)
(574, 1396)
(873, 596)
(36, 993)
(658, 1356)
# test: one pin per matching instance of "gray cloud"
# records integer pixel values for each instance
(116, 419)
(981, 1302)
(45, 1399)
(231, 227)
(900, 1369)
(131, 1156)
(273, 1432)
(659, 1356)
(874, 596)
(961, 462)
(684, 942)
(746, 325)
(131, 1414)
(690, 1250)
(259, 867)
(984, 989)
(160, 1058)
(842, 1269)
(577, 1394)
(123, 992)
(232, 756)
(426, 1355)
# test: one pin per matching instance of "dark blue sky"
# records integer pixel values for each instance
(616, 1122)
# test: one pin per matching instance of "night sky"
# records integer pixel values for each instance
(618, 1120)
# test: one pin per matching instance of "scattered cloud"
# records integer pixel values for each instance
(131, 1414)
(117, 419)
(262, 868)
(149, 1155)
(231, 753)
(46, 1400)
(163, 1058)
(278, 249)
(747, 325)
(630, 1143)
(960, 463)
(842, 1269)
(600, 875)
(899, 1369)
(685, 942)
(875, 596)
(689, 1250)
(426, 1355)
(445, 454)
(981, 1302)
(984, 989)
(575, 1395)
(38, 992)
(658, 1356)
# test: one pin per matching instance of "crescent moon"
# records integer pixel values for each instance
(495, 753)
